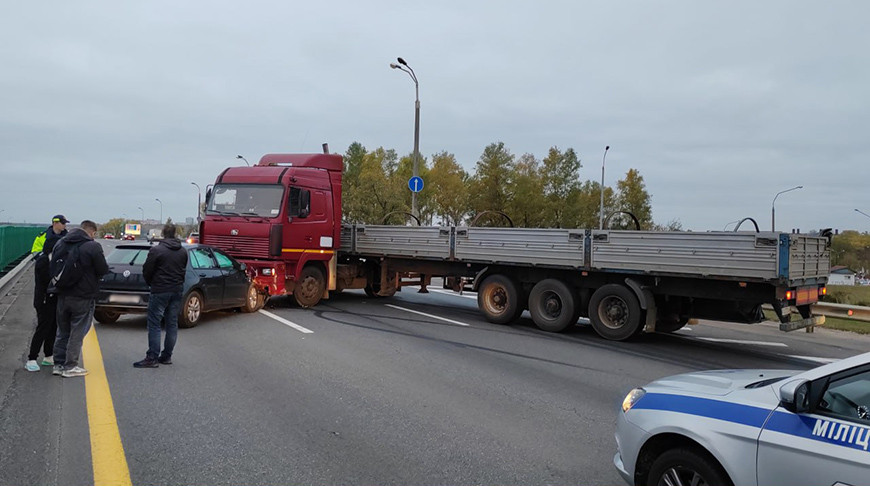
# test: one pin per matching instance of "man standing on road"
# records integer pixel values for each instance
(44, 303)
(164, 271)
(75, 303)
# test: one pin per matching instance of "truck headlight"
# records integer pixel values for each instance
(632, 398)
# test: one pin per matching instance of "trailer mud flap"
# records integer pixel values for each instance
(795, 325)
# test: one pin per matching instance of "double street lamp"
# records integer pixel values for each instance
(773, 206)
(403, 66)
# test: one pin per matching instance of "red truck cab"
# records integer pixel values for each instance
(282, 218)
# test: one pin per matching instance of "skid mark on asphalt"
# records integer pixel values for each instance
(107, 451)
(280, 319)
(428, 315)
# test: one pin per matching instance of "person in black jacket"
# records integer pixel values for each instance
(75, 304)
(164, 271)
(44, 303)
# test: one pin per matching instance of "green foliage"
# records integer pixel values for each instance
(560, 177)
(526, 208)
(852, 250)
(447, 184)
(848, 294)
(114, 226)
(492, 182)
(632, 197)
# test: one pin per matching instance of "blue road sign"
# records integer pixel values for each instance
(415, 184)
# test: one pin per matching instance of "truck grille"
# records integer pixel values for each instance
(239, 246)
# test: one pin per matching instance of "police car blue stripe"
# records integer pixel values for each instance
(841, 434)
(703, 407)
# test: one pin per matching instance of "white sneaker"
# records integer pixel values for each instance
(31, 366)
(76, 371)
(48, 361)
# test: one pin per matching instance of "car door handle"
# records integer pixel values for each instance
(203, 275)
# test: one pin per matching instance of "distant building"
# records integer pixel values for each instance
(841, 275)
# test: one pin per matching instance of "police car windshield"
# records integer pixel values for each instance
(263, 200)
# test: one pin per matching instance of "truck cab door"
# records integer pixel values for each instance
(309, 226)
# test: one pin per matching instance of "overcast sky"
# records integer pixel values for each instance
(107, 106)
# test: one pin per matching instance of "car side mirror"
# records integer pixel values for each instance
(795, 396)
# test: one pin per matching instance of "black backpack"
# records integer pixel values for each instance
(66, 267)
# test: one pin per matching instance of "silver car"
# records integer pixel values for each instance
(749, 427)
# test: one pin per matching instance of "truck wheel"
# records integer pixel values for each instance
(104, 316)
(615, 312)
(552, 305)
(499, 300)
(309, 290)
(254, 300)
(685, 466)
(191, 310)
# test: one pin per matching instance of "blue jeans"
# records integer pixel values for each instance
(163, 307)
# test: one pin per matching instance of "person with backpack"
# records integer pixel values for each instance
(44, 303)
(77, 263)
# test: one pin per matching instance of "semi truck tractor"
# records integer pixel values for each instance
(283, 219)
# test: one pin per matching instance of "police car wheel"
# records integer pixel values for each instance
(685, 466)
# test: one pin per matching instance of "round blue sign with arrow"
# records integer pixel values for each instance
(415, 184)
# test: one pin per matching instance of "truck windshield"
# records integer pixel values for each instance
(262, 200)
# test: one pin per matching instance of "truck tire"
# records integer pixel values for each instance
(670, 325)
(552, 305)
(615, 312)
(499, 300)
(310, 287)
(104, 316)
(191, 310)
(254, 300)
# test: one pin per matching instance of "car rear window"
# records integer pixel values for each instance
(128, 256)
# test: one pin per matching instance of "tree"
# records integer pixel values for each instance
(376, 193)
(447, 183)
(560, 176)
(584, 204)
(527, 207)
(491, 183)
(632, 197)
(114, 226)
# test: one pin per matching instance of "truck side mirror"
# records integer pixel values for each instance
(305, 204)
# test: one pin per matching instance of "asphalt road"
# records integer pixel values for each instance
(414, 389)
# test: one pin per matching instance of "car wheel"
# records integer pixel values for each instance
(685, 466)
(309, 290)
(104, 316)
(254, 300)
(499, 300)
(191, 310)
(615, 312)
(551, 304)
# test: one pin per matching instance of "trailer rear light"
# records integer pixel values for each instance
(789, 295)
(823, 291)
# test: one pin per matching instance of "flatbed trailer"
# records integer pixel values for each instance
(626, 282)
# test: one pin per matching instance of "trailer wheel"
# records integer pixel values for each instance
(499, 299)
(615, 312)
(552, 305)
(309, 290)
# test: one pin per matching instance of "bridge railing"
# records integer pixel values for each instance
(15, 242)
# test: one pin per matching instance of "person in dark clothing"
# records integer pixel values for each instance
(75, 304)
(44, 303)
(164, 271)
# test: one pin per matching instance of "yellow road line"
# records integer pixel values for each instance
(107, 451)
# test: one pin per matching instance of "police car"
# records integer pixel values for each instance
(749, 427)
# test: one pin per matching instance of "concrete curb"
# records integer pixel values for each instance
(9, 279)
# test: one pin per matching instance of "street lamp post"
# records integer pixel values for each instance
(773, 206)
(403, 66)
(862, 212)
(198, 200)
(161, 210)
(246, 160)
(601, 209)
(143, 215)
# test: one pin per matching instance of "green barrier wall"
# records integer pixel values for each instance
(16, 241)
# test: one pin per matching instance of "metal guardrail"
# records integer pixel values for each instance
(844, 311)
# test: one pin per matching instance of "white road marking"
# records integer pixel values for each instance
(429, 315)
(286, 322)
(457, 294)
(737, 341)
(817, 360)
